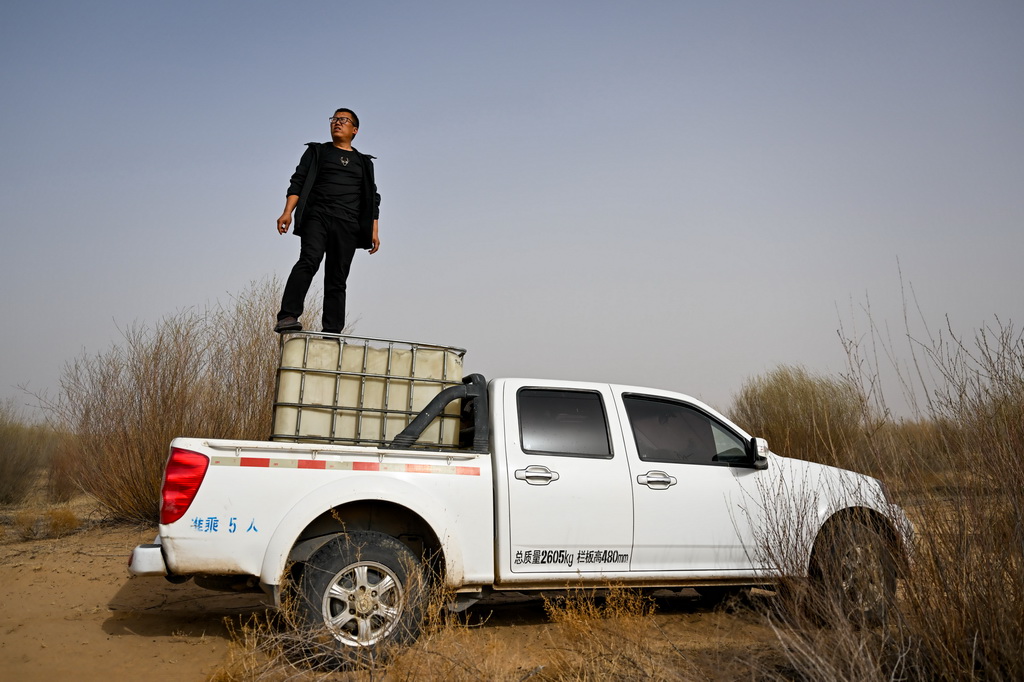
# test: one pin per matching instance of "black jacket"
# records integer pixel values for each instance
(305, 175)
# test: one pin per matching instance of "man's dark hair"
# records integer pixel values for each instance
(351, 114)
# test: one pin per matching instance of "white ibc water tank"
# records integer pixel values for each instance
(361, 390)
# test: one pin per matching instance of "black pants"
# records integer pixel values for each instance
(337, 239)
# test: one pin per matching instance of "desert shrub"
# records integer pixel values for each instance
(208, 373)
(60, 521)
(26, 524)
(25, 450)
(913, 455)
(61, 483)
(957, 468)
(803, 415)
(34, 524)
(969, 608)
(612, 635)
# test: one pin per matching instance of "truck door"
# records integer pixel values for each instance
(697, 506)
(568, 496)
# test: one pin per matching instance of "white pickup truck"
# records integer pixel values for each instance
(554, 485)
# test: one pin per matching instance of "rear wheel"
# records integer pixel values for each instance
(855, 573)
(361, 596)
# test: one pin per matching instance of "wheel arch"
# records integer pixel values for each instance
(325, 513)
(871, 518)
(382, 516)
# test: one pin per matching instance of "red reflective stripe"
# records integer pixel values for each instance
(365, 466)
(321, 464)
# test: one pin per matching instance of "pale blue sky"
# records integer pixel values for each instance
(675, 194)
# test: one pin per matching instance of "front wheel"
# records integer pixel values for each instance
(855, 573)
(362, 595)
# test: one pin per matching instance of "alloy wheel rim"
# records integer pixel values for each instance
(363, 604)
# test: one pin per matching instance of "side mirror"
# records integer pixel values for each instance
(758, 448)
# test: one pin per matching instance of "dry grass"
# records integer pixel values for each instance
(25, 449)
(60, 521)
(199, 372)
(956, 466)
(593, 635)
(25, 524)
(805, 415)
(612, 637)
(36, 524)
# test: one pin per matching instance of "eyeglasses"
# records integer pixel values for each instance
(341, 119)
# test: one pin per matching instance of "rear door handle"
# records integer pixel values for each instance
(656, 480)
(536, 475)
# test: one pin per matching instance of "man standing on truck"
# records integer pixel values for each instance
(336, 205)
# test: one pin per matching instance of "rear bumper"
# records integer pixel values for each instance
(148, 560)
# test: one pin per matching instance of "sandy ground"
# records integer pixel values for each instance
(70, 611)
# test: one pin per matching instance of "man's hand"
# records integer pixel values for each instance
(284, 222)
(375, 240)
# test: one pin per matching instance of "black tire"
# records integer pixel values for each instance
(361, 596)
(854, 573)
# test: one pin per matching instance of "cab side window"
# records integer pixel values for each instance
(666, 431)
(560, 422)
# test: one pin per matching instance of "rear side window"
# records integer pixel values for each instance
(559, 422)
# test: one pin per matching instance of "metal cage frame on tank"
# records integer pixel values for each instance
(364, 391)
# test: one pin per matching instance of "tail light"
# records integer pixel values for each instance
(182, 478)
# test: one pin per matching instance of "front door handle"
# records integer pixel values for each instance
(656, 480)
(536, 475)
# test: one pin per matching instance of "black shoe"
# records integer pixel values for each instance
(288, 324)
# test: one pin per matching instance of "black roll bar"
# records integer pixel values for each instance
(474, 387)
